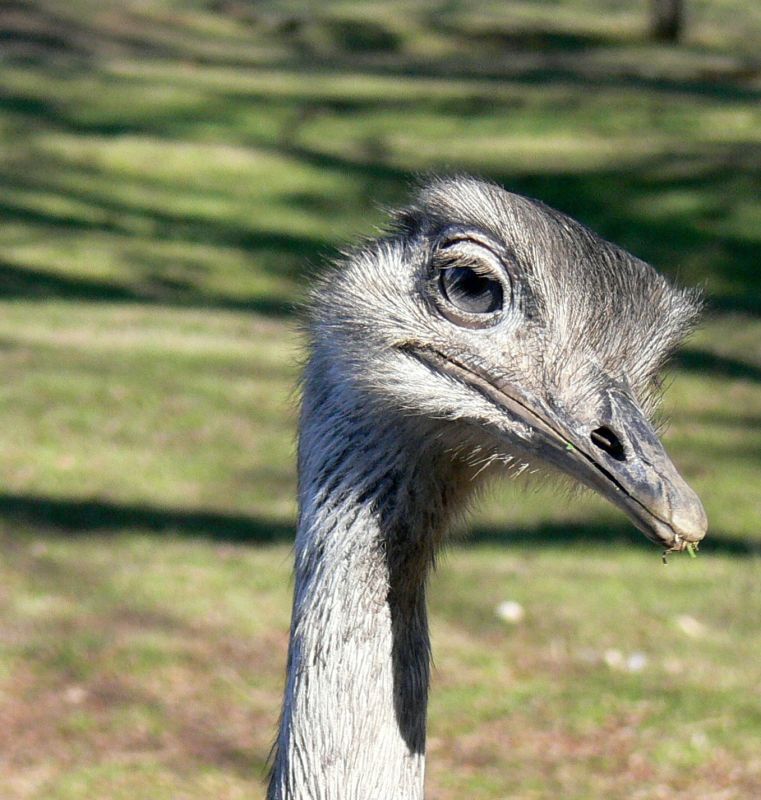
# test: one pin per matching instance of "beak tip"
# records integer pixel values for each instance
(683, 524)
(689, 520)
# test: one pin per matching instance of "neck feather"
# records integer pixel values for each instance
(373, 508)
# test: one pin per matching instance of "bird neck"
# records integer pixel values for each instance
(372, 511)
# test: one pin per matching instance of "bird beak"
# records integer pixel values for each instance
(620, 456)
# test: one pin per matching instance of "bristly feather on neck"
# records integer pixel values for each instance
(376, 496)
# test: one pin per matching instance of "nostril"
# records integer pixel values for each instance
(606, 440)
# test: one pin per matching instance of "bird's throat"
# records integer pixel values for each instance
(353, 723)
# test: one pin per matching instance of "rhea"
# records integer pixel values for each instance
(484, 332)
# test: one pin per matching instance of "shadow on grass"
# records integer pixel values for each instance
(610, 201)
(28, 283)
(616, 202)
(703, 361)
(69, 517)
(37, 31)
(596, 534)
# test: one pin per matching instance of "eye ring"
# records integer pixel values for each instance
(471, 291)
(469, 279)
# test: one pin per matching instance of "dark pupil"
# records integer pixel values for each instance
(469, 291)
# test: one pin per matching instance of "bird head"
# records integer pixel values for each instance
(522, 334)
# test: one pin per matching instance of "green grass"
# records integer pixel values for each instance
(171, 173)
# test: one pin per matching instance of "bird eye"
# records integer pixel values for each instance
(470, 291)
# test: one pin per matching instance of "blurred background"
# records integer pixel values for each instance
(172, 171)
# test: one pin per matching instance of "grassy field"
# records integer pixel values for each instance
(171, 172)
